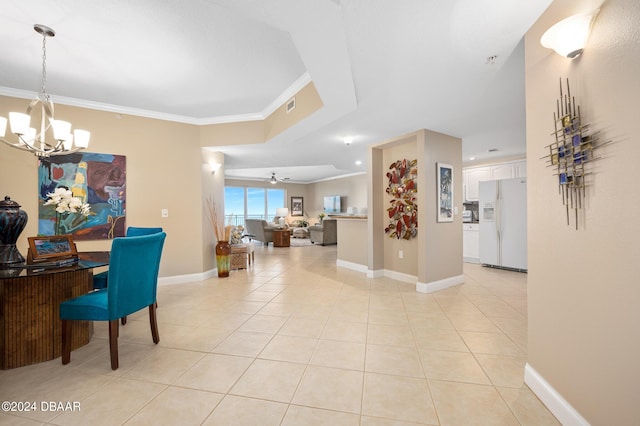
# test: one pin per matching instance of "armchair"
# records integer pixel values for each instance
(260, 230)
(325, 233)
(133, 283)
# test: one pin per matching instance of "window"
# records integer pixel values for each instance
(242, 203)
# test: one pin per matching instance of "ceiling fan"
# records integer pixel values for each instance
(273, 179)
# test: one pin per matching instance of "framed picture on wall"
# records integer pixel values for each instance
(297, 206)
(445, 192)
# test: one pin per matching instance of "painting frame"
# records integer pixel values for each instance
(445, 193)
(51, 247)
(297, 206)
(97, 179)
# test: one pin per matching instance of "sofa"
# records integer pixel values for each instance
(259, 230)
(324, 233)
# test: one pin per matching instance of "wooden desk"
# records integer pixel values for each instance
(30, 326)
(281, 238)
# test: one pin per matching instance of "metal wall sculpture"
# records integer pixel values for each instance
(572, 150)
(402, 187)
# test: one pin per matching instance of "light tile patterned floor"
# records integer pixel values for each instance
(299, 341)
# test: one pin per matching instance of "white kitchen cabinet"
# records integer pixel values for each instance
(521, 169)
(472, 180)
(471, 242)
(474, 175)
(502, 171)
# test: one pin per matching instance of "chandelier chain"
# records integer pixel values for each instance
(28, 138)
(44, 66)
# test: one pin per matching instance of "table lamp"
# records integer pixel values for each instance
(281, 213)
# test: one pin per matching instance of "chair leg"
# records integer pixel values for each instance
(154, 323)
(113, 343)
(66, 341)
(123, 320)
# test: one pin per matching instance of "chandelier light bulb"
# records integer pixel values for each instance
(19, 122)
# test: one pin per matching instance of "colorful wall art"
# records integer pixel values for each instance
(571, 152)
(445, 192)
(97, 179)
(402, 187)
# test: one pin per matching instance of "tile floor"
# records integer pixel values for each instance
(298, 341)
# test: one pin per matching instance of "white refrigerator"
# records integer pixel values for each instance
(503, 223)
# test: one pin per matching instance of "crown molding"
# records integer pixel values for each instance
(290, 91)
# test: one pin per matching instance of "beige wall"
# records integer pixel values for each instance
(436, 255)
(351, 189)
(259, 131)
(307, 102)
(441, 245)
(583, 292)
(165, 169)
(352, 241)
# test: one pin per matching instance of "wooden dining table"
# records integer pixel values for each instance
(30, 297)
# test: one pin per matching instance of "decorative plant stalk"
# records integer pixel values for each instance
(218, 227)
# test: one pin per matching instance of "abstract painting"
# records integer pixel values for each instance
(97, 179)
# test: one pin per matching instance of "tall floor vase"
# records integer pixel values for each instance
(223, 257)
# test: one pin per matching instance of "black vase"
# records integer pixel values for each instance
(12, 222)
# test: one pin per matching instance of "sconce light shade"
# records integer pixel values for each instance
(214, 167)
(569, 36)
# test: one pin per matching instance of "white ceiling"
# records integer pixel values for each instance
(382, 68)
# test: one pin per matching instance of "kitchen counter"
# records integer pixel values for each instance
(348, 216)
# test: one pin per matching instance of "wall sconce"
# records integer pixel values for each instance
(214, 167)
(569, 36)
(347, 141)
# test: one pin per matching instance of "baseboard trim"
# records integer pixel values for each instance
(439, 285)
(351, 265)
(189, 278)
(377, 273)
(559, 407)
(400, 276)
(471, 259)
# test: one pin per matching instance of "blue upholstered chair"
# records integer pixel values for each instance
(100, 280)
(133, 282)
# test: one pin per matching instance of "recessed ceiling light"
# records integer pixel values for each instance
(358, 162)
(472, 158)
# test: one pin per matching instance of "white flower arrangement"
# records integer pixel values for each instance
(65, 202)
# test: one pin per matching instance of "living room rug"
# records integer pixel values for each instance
(300, 242)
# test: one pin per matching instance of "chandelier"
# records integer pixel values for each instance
(41, 108)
